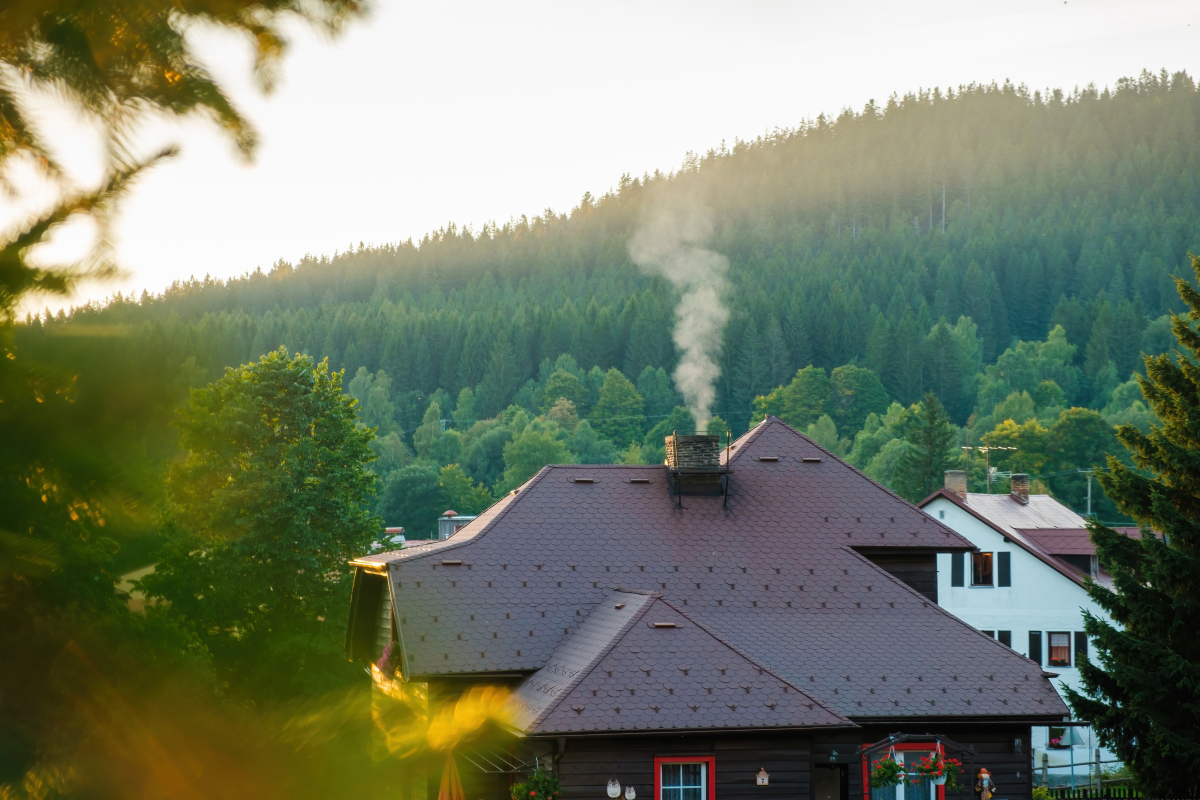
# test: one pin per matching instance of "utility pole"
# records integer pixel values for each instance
(1088, 472)
(943, 205)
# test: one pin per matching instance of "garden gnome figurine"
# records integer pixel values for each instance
(983, 784)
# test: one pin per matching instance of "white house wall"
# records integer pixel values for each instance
(1040, 599)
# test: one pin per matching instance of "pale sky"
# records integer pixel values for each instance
(426, 113)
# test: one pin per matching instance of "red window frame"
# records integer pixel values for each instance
(869, 757)
(709, 761)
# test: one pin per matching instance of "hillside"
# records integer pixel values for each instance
(936, 240)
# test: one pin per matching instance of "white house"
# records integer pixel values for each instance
(1024, 586)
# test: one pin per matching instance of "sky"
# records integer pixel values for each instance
(424, 114)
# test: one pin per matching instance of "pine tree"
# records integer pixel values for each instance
(501, 380)
(930, 439)
(1143, 696)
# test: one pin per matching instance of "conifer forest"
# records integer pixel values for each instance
(1008, 253)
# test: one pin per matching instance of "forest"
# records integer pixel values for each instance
(1009, 254)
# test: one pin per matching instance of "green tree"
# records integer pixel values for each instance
(528, 453)
(461, 493)
(1080, 438)
(855, 392)
(464, 411)
(563, 384)
(654, 385)
(426, 436)
(588, 448)
(930, 439)
(411, 499)
(618, 413)
(801, 402)
(1142, 696)
(268, 505)
(654, 444)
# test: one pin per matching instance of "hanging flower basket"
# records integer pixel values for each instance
(886, 772)
(541, 786)
(939, 769)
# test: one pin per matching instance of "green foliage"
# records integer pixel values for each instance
(618, 412)
(563, 384)
(855, 392)
(930, 439)
(540, 786)
(411, 499)
(1141, 697)
(460, 493)
(528, 452)
(654, 448)
(801, 402)
(267, 507)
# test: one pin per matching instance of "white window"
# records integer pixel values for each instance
(686, 781)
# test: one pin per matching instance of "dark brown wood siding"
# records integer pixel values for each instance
(918, 570)
(587, 763)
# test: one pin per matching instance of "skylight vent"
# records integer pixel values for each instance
(446, 562)
(768, 458)
(583, 480)
(639, 480)
(812, 460)
(663, 625)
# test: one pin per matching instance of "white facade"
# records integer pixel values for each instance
(1041, 599)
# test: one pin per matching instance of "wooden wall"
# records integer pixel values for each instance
(788, 758)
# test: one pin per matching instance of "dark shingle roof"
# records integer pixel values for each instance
(623, 670)
(774, 574)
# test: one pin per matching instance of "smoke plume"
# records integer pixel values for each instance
(671, 244)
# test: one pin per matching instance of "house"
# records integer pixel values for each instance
(739, 622)
(1024, 585)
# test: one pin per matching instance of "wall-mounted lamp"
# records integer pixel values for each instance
(833, 757)
(630, 794)
(614, 787)
(762, 778)
(1017, 745)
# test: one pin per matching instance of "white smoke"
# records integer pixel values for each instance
(670, 244)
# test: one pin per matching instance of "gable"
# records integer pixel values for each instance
(658, 668)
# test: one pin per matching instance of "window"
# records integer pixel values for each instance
(1060, 649)
(1005, 638)
(1004, 569)
(981, 569)
(956, 568)
(989, 633)
(1081, 647)
(685, 778)
(941, 514)
(1035, 647)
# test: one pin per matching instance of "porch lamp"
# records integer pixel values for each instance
(630, 794)
(833, 757)
(614, 787)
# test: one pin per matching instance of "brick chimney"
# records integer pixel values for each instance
(1019, 484)
(693, 452)
(956, 481)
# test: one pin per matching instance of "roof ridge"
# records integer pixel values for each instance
(595, 660)
(748, 438)
(944, 612)
(855, 470)
(747, 656)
